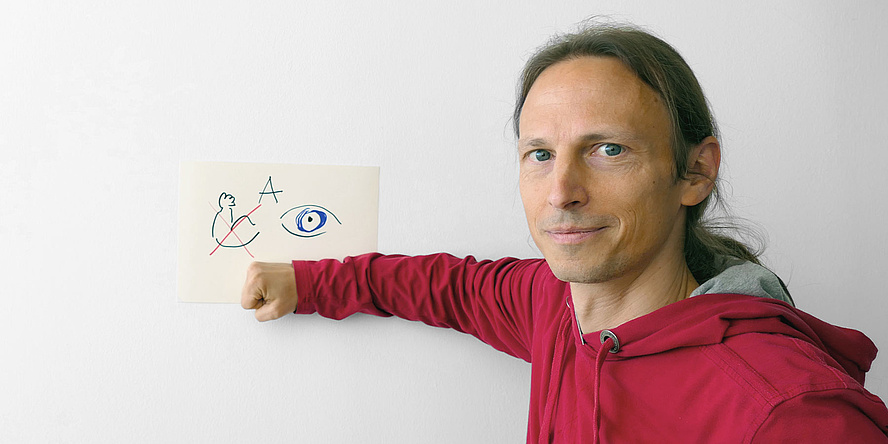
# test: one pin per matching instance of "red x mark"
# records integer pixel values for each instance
(231, 231)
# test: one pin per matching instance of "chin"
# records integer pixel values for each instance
(585, 273)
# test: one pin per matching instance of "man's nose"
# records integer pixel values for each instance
(568, 185)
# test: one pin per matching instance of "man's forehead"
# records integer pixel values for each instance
(592, 98)
(589, 74)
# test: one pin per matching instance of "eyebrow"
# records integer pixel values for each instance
(539, 142)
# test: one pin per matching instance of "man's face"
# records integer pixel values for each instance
(596, 171)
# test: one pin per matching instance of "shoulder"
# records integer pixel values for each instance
(825, 416)
(801, 392)
(779, 366)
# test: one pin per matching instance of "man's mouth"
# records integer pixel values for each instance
(572, 235)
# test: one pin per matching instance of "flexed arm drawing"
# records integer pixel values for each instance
(224, 224)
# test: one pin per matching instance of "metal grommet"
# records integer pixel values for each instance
(605, 334)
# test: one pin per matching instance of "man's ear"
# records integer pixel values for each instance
(703, 164)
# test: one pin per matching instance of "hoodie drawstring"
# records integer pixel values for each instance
(555, 381)
(609, 344)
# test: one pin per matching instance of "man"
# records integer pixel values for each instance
(641, 324)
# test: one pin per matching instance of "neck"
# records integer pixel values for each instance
(605, 305)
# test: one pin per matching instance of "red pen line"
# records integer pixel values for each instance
(233, 228)
(230, 231)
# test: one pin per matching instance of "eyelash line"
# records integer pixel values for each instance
(597, 147)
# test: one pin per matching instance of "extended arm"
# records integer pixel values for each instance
(488, 299)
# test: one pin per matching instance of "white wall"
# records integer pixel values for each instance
(99, 102)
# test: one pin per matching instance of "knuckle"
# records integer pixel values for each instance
(255, 275)
(254, 269)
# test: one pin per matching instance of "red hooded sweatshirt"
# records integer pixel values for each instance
(722, 368)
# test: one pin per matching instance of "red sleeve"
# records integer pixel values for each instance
(490, 300)
(828, 416)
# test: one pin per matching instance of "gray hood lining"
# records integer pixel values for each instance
(744, 277)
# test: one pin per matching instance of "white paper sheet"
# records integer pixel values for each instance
(231, 214)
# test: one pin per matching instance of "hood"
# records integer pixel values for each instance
(745, 298)
(744, 277)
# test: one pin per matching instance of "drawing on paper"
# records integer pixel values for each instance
(307, 220)
(225, 225)
(302, 221)
(231, 214)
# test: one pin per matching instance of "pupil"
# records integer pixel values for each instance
(309, 218)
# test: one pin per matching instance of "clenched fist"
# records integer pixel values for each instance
(270, 289)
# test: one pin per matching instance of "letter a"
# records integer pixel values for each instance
(273, 192)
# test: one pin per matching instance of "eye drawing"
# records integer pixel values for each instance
(307, 220)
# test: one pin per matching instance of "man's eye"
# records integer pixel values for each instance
(611, 149)
(307, 220)
(541, 155)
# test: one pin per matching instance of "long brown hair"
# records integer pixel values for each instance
(661, 67)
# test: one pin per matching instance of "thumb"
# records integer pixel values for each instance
(267, 312)
(252, 294)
